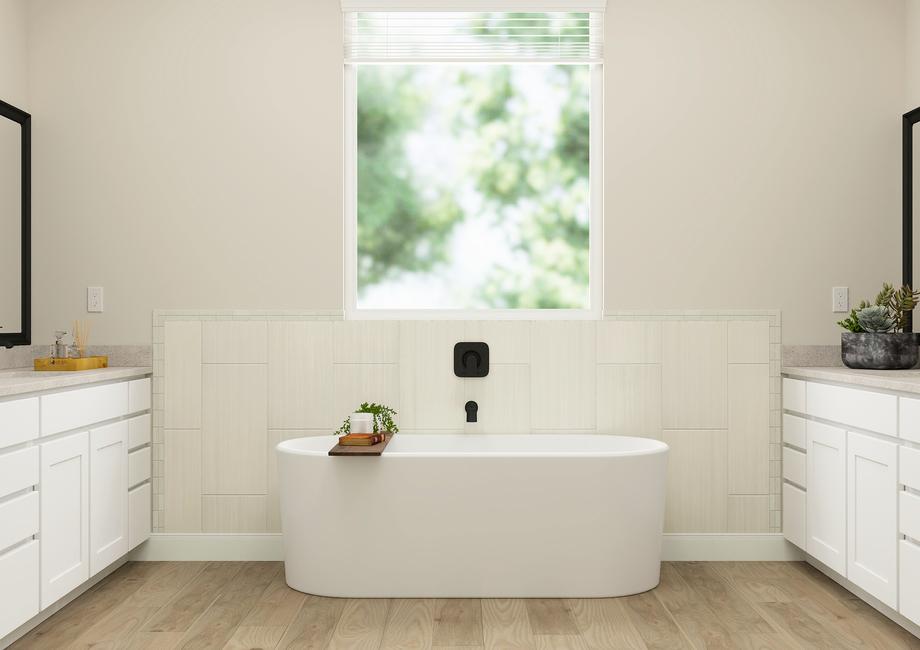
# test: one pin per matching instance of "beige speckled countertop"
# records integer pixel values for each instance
(905, 381)
(24, 380)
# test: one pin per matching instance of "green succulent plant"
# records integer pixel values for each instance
(889, 313)
(875, 319)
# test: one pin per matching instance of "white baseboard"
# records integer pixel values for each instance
(208, 546)
(676, 547)
(688, 547)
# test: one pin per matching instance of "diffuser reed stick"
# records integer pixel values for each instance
(81, 331)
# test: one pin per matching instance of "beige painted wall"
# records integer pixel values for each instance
(752, 156)
(13, 52)
(13, 90)
(913, 54)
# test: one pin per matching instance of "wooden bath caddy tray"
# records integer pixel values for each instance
(81, 363)
(361, 450)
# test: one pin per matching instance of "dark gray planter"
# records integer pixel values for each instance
(879, 351)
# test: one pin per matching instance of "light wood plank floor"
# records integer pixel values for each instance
(748, 605)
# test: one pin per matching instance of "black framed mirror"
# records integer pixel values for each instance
(15, 226)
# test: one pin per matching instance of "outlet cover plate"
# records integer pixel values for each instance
(94, 299)
(841, 300)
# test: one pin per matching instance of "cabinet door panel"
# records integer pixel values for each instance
(872, 516)
(108, 495)
(64, 515)
(827, 494)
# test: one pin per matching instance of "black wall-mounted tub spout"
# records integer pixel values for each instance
(472, 410)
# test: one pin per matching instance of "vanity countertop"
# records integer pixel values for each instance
(905, 381)
(19, 381)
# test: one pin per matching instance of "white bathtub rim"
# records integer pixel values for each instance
(649, 446)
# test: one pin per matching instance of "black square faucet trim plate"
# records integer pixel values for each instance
(471, 359)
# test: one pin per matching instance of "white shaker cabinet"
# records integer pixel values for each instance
(861, 495)
(872, 516)
(75, 484)
(64, 515)
(108, 495)
(826, 524)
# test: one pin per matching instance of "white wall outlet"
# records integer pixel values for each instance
(841, 300)
(94, 299)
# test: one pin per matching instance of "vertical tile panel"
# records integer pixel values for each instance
(626, 341)
(234, 341)
(694, 369)
(697, 497)
(233, 514)
(300, 375)
(503, 398)
(430, 395)
(183, 481)
(748, 341)
(183, 375)
(629, 400)
(508, 340)
(748, 428)
(366, 341)
(234, 429)
(563, 374)
(365, 382)
(749, 514)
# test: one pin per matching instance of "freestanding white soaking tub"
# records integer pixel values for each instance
(474, 516)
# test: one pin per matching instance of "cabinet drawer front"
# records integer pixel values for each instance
(139, 513)
(794, 395)
(909, 581)
(794, 515)
(138, 466)
(909, 467)
(18, 519)
(909, 409)
(19, 583)
(858, 408)
(794, 430)
(18, 470)
(138, 431)
(910, 514)
(78, 408)
(18, 421)
(138, 395)
(794, 468)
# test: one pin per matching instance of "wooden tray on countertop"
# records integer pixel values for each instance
(361, 450)
(71, 364)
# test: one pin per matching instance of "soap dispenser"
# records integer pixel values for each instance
(59, 349)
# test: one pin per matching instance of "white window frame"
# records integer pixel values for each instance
(594, 311)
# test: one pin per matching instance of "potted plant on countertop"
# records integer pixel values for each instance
(875, 338)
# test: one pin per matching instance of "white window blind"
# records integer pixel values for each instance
(433, 36)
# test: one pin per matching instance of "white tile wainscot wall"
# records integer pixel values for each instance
(229, 385)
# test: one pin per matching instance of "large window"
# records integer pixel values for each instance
(472, 179)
